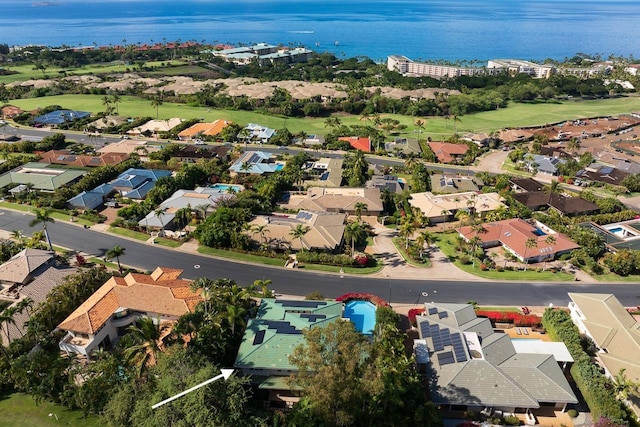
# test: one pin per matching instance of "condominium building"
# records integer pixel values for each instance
(406, 66)
(517, 66)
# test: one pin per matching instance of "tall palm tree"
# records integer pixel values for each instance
(115, 252)
(147, 337)
(202, 210)
(424, 238)
(623, 386)
(115, 100)
(156, 102)
(43, 216)
(183, 217)
(7, 317)
(159, 213)
(549, 240)
(407, 228)
(299, 232)
(573, 145)
(358, 208)
(355, 232)
(530, 243)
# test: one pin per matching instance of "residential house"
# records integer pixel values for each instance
(512, 235)
(107, 122)
(199, 130)
(58, 117)
(617, 235)
(31, 273)
(512, 136)
(257, 133)
(313, 140)
(256, 163)
(480, 139)
(523, 185)
(389, 182)
(344, 200)
(104, 317)
(358, 142)
(193, 199)
(41, 176)
(602, 173)
(443, 208)
(154, 127)
(472, 368)
(448, 184)
(67, 158)
(192, 153)
(130, 146)
(271, 337)
(326, 230)
(447, 152)
(324, 172)
(401, 146)
(543, 164)
(565, 205)
(132, 183)
(10, 111)
(614, 331)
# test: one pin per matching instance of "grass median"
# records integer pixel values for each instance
(279, 262)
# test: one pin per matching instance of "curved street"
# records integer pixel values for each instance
(298, 282)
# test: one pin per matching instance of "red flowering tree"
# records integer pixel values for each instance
(379, 302)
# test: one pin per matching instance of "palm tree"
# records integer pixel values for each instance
(115, 100)
(549, 240)
(424, 238)
(263, 286)
(147, 336)
(202, 209)
(355, 232)
(7, 317)
(115, 252)
(623, 386)
(159, 213)
(106, 101)
(474, 242)
(573, 145)
(407, 228)
(260, 229)
(530, 243)
(183, 216)
(299, 232)
(156, 102)
(358, 208)
(43, 216)
(18, 235)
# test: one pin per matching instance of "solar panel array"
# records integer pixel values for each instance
(259, 337)
(304, 215)
(301, 303)
(283, 327)
(441, 338)
(445, 358)
(313, 317)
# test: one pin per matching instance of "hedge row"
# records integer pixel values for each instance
(511, 317)
(360, 296)
(594, 386)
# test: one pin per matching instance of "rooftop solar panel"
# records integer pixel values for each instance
(303, 304)
(424, 329)
(259, 337)
(313, 317)
(443, 314)
(433, 310)
(445, 358)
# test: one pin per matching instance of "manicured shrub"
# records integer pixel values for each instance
(572, 413)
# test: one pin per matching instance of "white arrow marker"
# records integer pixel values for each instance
(226, 373)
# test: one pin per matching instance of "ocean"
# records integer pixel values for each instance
(419, 29)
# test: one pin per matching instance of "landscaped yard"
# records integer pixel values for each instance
(19, 409)
(446, 242)
(129, 233)
(399, 244)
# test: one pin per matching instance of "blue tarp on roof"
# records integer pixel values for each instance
(60, 116)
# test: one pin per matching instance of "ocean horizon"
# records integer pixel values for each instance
(419, 29)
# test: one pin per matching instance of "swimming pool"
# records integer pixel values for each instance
(362, 314)
(227, 187)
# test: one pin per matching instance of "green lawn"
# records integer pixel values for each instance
(26, 72)
(19, 409)
(446, 242)
(129, 233)
(55, 214)
(168, 242)
(514, 115)
(611, 277)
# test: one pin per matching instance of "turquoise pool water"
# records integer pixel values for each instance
(362, 314)
(227, 187)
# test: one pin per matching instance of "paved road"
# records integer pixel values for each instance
(299, 282)
(32, 134)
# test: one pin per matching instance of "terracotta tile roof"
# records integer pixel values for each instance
(161, 292)
(447, 152)
(513, 233)
(65, 157)
(362, 144)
